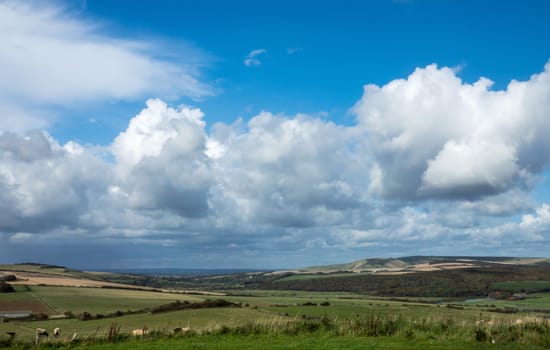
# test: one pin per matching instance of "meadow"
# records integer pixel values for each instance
(280, 319)
(239, 318)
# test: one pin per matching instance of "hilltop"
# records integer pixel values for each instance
(410, 264)
(55, 275)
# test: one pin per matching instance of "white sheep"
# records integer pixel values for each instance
(140, 332)
(40, 332)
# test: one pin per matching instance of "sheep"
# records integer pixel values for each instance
(40, 332)
(181, 330)
(57, 332)
(140, 332)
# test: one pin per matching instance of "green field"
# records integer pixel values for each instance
(522, 286)
(59, 300)
(202, 319)
(275, 319)
(533, 301)
(99, 300)
(234, 330)
(258, 307)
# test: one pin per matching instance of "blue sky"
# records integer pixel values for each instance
(335, 49)
(272, 134)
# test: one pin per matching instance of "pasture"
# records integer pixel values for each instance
(268, 308)
(275, 318)
(532, 302)
(55, 300)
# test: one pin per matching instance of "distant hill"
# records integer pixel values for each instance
(54, 275)
(420, 263)
(421, 276)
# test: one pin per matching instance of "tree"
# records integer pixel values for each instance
(6, 288)
(8, 278)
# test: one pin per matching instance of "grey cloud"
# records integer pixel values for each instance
(44, 185)
(281, 170)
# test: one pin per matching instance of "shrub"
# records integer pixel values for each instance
(85, 316)
(6, 288)
(178, 305)
(309, 303)
(5, 342)
(40, 316)
(480, 335)
(8, 278)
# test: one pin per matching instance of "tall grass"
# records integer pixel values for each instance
(528, 332)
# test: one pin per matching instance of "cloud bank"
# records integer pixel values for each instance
(432, 165)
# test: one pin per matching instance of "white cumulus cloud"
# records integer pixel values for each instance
(49, 58)
(162, 162)
(434, 135)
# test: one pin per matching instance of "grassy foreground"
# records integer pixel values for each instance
(374, 332)
(307, 341)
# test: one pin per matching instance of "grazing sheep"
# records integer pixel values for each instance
(40, 332)
(181, 330)
(57, 332)
(483, 322)
(11, 334)
(140, 332)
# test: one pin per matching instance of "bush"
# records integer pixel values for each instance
(481, 335)
(5, 342)
(85, 316)
(40, 316)
(178, 305)
(6, 288)
(8, 278)
(309, 303)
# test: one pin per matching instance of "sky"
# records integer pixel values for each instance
(272, 134)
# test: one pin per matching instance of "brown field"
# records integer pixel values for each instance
(33, 279)
(442, 266)
(34, 306)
